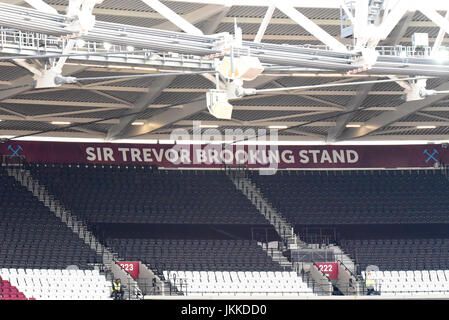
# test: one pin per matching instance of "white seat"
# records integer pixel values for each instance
(402, 274)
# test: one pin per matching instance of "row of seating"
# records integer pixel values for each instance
(60, 285)
(221, 283)
(10, 292)
(354, 198)
(104, 195)
(354, 203)
(133, 196)
(231, 255)
(407, 254)
(33, 237)
(412, 282)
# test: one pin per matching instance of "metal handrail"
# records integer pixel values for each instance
(357, 277)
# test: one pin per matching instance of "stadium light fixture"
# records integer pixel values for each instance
(60, 122)
(353, 125)
(138, 123)
(212, 126)
(277, 127)
(426, 127)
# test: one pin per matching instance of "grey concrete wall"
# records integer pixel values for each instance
(145, 281)
(342, 282)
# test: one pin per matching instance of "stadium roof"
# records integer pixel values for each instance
(298, 42)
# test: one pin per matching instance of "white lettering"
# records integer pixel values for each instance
(314, 154)
(158, 155)
(213, 156)
(135, 155)
(99, 154)
(147, 155)
(230, 156)
(355, 155)
(174, 156)
(273, 156)
(339, 156)
(289, 158)
(325, 157)
(108, 154)
(241, 159)
(304, 157)
(253, 156)
(200, 156)
(185, 156)
(124, 151)
(91, 154)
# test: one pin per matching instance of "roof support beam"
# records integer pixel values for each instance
(166, 118)
(304, 133)
(101, 93)
(344, 119)
(399, 31)
(143, 103)
(173, 17)
(59, 114)
(211, 25)
(41, 6)
(58, 118)
(381, 32)
(17, 87)
(264, 24)
(394, 131)
(433, 15)
(390, 117)
(13, 112)
(360, 23)
(85, 130)
(298, 115)
(311, 27)
(324, 101)
(61, 61)
(16, 2)
(432, 116)
(193, 17)
(439, 38)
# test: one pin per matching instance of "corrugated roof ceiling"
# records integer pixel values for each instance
(187, 88)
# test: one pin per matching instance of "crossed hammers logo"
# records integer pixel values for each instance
(15, 153)
(431, 156)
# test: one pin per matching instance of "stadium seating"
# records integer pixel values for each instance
(228, 283)
(33, 237)
(357, 197)
(57, 284)
(140, 194)
(195, 255)
(399, 254)
(113, 199)
(411, 282)
(10, 292)
(395, 220)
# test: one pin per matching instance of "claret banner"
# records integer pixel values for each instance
(218, 156)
